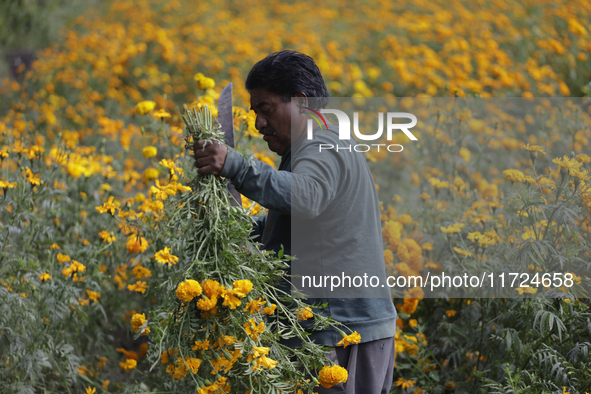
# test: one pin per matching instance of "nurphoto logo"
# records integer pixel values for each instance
(345, 129)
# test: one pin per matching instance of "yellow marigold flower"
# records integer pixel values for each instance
(145, 107)
(164, 357)
(109, 206)
(72, 268)
(63, 258)
(172, 168)
(180, 188)
(465, 154)
(266, 362)
(241, 287)
(201, 345)
(139, 286)
(90, 390)
(450, 313)
(33, 179)
(161, 114)
(438, 184)
(451, 229)
(253, 329)
(258, 351)
(254, 306)
(202, 82)
(141, 272)
(227, 340)
(107, 237)
(350, 339)
(162, 192)
(163, 256)
(583, 158)
(44, 276)
(150, 174)
(149, 151)
(526, 290)
(567, 163)
(534, 148)
(404, 219)
(270, 309)
(230, 299)
(136, 244)
(212, 288)
(207, 304)
(54, 246)
(405, 384)
(413, 323)
(392, 231)
(193, 364)
(329, 376)
(304, 313)
(462, 252)
(138, 321)
(128, 364)
(140, 197)
(188, 290)
(93, 295)
(513, 175)
(7, 185)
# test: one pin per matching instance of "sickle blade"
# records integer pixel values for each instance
(225, 114)
(227, 123)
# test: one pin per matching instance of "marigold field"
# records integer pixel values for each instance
(122, 271)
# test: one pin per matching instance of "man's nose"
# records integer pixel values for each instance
(260, 123)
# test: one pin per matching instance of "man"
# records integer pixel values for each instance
(323, 208)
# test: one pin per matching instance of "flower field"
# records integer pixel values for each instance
(122, 271)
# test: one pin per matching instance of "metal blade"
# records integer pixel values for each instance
(225, 114)
(227, 122)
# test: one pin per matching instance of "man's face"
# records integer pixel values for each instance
(273, 119)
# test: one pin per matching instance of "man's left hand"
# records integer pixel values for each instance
(210, 160)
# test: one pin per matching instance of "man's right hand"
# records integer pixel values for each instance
(211, 159)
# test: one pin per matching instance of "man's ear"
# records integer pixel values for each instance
(302, 101)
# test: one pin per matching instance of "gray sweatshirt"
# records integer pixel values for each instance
(324, 210)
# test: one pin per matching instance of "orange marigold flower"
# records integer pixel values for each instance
(138, 321)
(207, 304)
(253, 329)
(107, 237)
(405, 384)
(163, 256)
(93, 295)
(108, 206)
(136, 244)
(145, 107)
(139, 286)
(212, 288)
(329, 376)
(513, 175)
(63, 258)
(241, 287)
(270, 309)
(350, 339)
(188, 290)
(128, 364)
(304, 313)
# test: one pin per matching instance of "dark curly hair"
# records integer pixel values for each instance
(287, 73)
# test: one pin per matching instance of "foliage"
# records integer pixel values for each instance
(72, 140)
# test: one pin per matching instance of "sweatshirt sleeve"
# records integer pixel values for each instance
(259, 181)
(305, 192)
